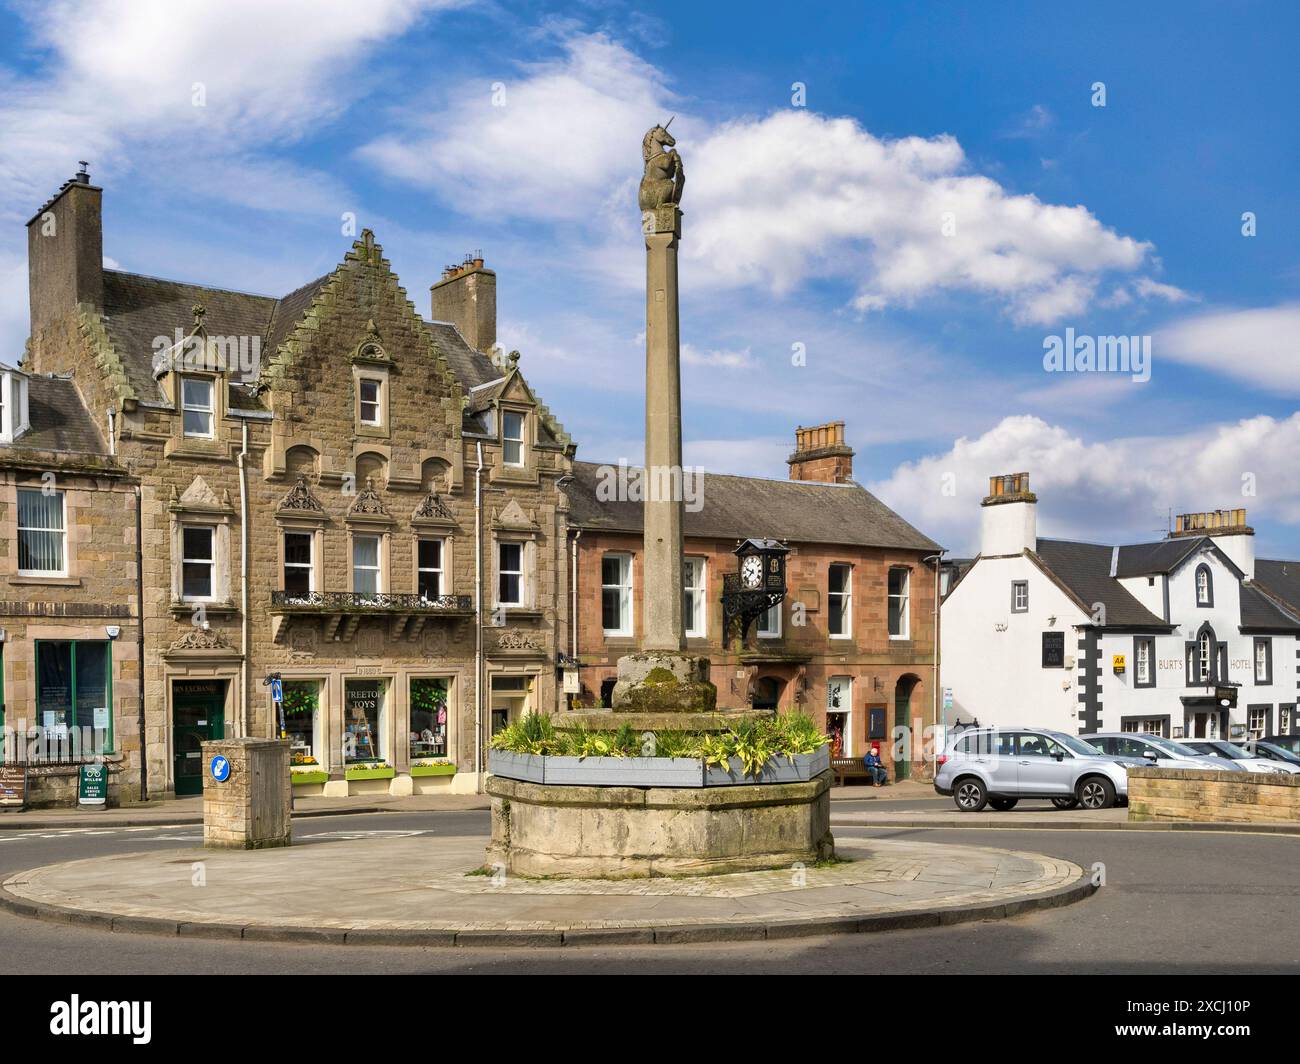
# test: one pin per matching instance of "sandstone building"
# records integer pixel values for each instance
(327, 484)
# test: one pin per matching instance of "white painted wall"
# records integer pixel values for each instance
(997, 676)
(1008, 528)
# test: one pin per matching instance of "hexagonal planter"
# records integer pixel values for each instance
(526, 767)
(624, 771)
(781, 769)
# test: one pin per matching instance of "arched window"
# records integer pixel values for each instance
(1204, 655)
(1204, 586)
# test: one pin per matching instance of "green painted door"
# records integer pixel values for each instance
(902, 719)
(198, 714)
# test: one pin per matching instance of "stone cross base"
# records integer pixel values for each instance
(630, 832)
(664, 682)
(249, 810)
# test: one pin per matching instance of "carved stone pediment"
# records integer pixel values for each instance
(301, 499)
(200, 497)
(432, 509)
(370, 349)
(515, 639)
(201, 638)
(368, 503)
(513, 517)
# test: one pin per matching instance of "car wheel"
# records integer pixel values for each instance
(1096, 792)
(970, 795)
(1003, 804)
(1065, 803)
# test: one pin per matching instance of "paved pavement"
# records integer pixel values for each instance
(399, 887)
(1183, 903)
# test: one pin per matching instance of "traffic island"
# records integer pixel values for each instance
(422, 891)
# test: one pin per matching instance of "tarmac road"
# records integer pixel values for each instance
(1177, 902)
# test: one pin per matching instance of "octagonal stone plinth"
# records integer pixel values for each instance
(622, 832)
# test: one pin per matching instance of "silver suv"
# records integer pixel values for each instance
(999, 766)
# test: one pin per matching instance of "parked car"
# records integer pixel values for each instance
(999, 766)
(1271, 752)
(1154, 750)
(1289, 743)
(1227, 751)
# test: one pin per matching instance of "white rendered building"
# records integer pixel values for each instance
(1188, 636)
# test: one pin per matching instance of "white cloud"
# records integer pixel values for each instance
(554, 143)
(1109, 491)
(770, 201)
(157, 80)
(694, 356)
(1260, 346)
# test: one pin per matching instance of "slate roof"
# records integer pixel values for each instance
(1084, 569)
(1259, 611)
(58, 418)
(737, 507)
(1163, 556)
(1281, 579)
(138, 309)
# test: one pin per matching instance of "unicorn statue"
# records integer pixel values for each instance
(664, 177)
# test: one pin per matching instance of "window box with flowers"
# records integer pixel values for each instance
(307, 777)
(372, 771)
(433, 768)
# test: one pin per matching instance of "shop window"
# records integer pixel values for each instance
(428, 718)
(74, 690)
(302, 721)
(42, 533)
(365, 718)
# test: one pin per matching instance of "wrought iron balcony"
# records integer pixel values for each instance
(360, 601)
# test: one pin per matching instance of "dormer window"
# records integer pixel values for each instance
(13, 405)
(512, 438)
(197, 408)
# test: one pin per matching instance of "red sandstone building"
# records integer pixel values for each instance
(853, 644)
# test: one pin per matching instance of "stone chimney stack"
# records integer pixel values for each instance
(466, 296)
(1227, 529)
(820, 454)
(1009, 512)
(65, 253)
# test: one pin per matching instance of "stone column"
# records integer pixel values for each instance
(662, 591)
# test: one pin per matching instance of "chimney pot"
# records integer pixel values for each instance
(821, 454)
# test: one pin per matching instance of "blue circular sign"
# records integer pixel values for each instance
(220, 769)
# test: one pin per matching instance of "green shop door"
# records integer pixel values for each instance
(198, 714)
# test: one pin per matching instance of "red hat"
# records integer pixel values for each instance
(875, 748)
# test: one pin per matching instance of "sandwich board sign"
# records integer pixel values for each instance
(92, 788)
(13, 786)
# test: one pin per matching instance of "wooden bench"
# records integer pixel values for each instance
(847, 768)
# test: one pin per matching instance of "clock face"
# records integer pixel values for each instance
(751, 571)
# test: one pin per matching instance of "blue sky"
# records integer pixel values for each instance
(821, 225)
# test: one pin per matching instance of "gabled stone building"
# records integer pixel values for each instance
(330, 485)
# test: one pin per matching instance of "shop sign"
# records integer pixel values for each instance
(572, 685)
(13, 785)
(92, 788)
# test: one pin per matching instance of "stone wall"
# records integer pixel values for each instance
(1190, 794)
(250, 809)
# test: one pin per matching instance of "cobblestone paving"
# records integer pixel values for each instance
(420, 883)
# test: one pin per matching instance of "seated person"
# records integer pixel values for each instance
(875, 766)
